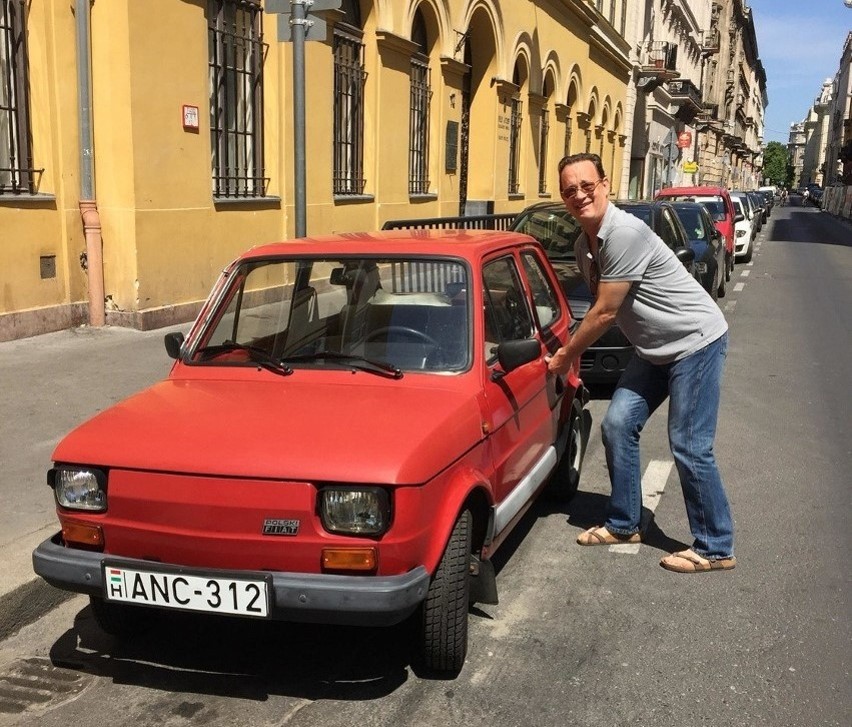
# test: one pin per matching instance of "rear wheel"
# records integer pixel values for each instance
(119, 620)
(721, 290)
(445, 609)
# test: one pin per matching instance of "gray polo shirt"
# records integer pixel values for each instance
(666, 315)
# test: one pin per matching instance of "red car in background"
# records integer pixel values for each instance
(351, 429)
(718, 202)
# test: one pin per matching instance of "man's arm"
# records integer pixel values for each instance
(596, 322)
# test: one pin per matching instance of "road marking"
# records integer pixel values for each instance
(653, 483)
(738, 287)
(745, 273)
(729, 307)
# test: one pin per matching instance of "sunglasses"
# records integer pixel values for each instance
(585, 187)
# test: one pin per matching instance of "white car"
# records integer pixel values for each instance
(744, 227)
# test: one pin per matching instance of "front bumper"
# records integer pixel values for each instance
(304, 597)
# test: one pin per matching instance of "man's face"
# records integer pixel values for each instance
(584, 192)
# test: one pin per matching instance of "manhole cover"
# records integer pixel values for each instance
(36, 684)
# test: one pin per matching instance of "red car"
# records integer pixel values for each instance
(350, 430)
(718, 202)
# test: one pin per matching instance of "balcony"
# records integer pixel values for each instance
(658, 63)
(687, 97)
(710, 42)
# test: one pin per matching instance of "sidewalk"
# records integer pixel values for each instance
(48, 385)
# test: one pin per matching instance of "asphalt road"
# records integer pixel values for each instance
(580, 636)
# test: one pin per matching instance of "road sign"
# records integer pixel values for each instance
(690, 167)
(283, 6)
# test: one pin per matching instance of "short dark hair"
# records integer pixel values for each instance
(581, 157)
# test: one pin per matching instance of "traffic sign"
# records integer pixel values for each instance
(690, 167)
(315, 28)
(283, 6)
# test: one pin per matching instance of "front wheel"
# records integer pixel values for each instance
(566, 477)
(445, 619)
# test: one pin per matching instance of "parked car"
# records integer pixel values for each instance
(752, 213)
(759, 208)
(721, 208)
(707, 244)
(350, 430)
(743, 228)
(554, 227)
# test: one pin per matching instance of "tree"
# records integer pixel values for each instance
(775, 163)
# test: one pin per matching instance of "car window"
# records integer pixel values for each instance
(507, 317)
(693, 222)
(544, 296)
(555, 230)
(669, 231)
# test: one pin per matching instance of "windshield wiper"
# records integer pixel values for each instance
(382, 368)
(259, 356)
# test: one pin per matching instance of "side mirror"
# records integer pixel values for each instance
(338, 276)
(174, 342)
(512, 354)
(738, 217)
(686, 255)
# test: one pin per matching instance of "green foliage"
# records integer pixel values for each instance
(776, 164)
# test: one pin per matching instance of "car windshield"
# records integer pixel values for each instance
(556, 230)
(715, 205)
(382, 315)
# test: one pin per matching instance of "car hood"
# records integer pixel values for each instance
(389, 432)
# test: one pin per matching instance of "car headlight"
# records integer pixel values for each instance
(354, 511)
(79, 488)
(740, 233)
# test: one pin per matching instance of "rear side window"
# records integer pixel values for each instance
(669, 232)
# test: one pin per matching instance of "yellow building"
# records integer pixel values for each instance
(143, 144)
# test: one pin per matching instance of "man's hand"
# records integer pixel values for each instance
(559, 363)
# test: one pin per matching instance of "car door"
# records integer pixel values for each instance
(518, 418)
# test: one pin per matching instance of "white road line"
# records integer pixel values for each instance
(729, 307)
(653, 483)
(738, 287)
(745, 273)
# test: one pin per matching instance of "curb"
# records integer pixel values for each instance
(27, 604)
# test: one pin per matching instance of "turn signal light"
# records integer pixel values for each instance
(83, 535)
(357, 559)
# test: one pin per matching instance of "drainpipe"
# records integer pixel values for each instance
(88, 204)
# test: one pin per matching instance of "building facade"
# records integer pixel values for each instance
(127, 185)
(697, 96)
(838, 151)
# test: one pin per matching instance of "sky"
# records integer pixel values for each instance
(800, 43)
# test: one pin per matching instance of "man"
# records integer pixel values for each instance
(680, 341)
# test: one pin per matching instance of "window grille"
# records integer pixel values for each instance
(515, 147)
(418, 132)
(17, 175)
(349, 77)
(542, 152)
(236, 51)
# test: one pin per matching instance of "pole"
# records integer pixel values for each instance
(298, 22)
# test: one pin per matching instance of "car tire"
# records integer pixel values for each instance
(714, 289)
(445, 610)
(729, 267)
(119, 620)
(566, 476)
(721, 290)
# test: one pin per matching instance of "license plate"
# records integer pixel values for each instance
(188, 591)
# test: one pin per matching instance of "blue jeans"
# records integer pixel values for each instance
(693, 385)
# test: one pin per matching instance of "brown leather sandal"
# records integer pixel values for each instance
(599, 535)
(688, 561)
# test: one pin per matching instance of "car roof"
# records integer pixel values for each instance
(469, 244)
(693, 190)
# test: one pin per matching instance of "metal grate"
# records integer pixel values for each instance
(349, 78)
(418, 127)
(236, 52)
(17, 175)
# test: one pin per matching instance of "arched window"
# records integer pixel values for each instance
(515, 132)
(349, 79)
(418, 120)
